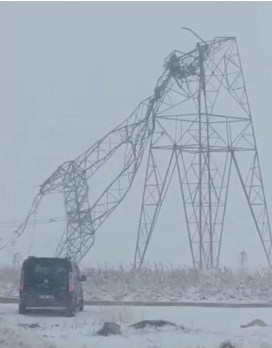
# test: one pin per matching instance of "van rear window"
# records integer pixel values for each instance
(47, 274)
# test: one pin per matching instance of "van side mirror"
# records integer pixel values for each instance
(83, 278)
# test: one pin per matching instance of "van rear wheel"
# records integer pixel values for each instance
(22, 308)
(70, 313)
(81, 306)
(71, 310)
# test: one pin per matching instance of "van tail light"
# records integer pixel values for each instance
(71, 282)
(21, 284)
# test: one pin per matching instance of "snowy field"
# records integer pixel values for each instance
(162, 283)
(204, 328)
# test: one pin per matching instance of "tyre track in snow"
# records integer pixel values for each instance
(4, 299)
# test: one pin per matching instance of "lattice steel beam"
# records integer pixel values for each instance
(199, 126)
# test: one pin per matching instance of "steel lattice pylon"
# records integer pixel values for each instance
(198, 124)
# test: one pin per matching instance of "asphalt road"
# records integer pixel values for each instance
(160, 303)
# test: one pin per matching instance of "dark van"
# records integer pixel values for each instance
(51, 283)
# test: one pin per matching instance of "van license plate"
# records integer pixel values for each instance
(46, 296)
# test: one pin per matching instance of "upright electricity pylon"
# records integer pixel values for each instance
(203, 128)
(197, 125)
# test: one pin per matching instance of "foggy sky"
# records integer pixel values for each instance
(70, 72)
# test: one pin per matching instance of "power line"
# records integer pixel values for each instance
(12, 224)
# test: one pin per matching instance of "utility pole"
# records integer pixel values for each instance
(243, 258)
(15, 261)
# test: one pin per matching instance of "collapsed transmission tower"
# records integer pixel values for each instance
(198, 125)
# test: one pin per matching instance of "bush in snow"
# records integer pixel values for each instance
(227, 344)
(164, 283)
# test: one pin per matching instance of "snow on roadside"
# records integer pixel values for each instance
(14, 336)
(205, 328)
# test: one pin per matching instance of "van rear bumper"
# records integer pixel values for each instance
(36, 302)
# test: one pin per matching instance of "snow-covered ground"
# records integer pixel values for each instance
(161, 283)
(205, 328)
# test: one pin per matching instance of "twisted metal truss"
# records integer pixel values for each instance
(71, 178)
(199, 125)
